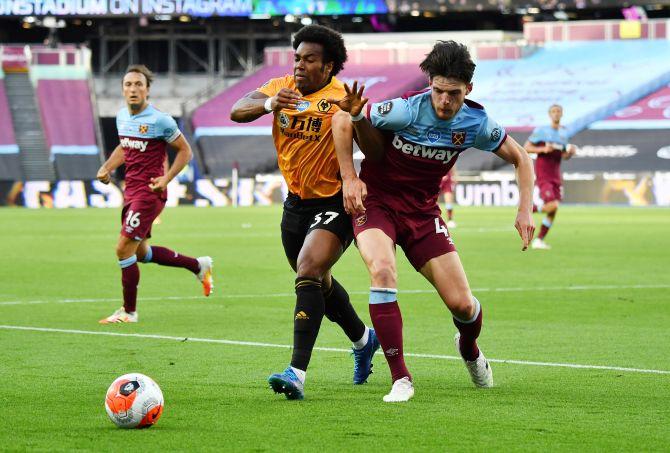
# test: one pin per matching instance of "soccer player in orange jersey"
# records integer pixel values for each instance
(144, 134)
(315, 228)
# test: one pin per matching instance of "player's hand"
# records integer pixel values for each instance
(159, 184)
(354, 192)
(548, 148)
(103, 175)
(285, 99)
(570, 151)
(525, 226)
(353, 102)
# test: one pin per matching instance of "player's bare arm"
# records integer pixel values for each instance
(512, 152)
(570, 150)
(369, 139)
(116, 159)
(537, 149)
(354, 190)
(253, 105)
(181, 159)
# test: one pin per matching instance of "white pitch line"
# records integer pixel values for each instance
(284, 346)
(357, 293)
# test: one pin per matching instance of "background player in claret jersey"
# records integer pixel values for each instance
(144, 134)
(315, 228)
(550, 143)
(447, 187)
(410, 143)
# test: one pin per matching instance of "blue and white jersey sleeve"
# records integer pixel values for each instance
(392, 115)
(490, 136)
(167, 129)
(538, 136)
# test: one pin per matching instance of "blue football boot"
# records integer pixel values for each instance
(287, 383)
(363, 359)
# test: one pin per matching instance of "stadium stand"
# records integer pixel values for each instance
(225, 143)
(10, 163)
(67, 116)
(650, 112)
(632, 139)
(590, 79)
(51, 114)
(33, 155)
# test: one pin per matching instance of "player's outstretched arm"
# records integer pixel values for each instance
(513, 153)
(369, 138)
(255, 104)
(354, 190)
(570, 150)
(182, 158)
(532, 148)
(116, 159)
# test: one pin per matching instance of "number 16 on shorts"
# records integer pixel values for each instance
(133, 219)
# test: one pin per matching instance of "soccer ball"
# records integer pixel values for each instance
(134, 401)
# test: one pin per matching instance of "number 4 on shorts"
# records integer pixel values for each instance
(439, 228)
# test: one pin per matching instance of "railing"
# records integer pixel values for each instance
(195, 101)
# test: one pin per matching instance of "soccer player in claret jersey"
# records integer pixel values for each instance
(550, 143)
(144, 134)
(410, 143)
(315, 229)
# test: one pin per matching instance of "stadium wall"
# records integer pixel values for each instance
(596, 30)
(486, 189)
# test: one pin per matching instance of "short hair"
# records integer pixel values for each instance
(329, 39)
(555, 105)
(141, 69)
(449, 59)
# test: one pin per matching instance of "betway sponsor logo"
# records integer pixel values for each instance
(412, 149)
(128, 143)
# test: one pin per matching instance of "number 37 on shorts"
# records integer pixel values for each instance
(324, 218)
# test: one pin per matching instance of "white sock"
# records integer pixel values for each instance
(300, 373)
(360, 344)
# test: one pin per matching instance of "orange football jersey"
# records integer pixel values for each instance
(304, 140)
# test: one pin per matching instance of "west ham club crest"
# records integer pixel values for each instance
(144, 128)
(458, 138)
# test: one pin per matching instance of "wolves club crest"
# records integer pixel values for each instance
(283, 120)
(323, 106)
(144, 128)
(458, 138)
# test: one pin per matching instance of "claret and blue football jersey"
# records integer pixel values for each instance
(144, 138)
(421, 148)
(548, 165)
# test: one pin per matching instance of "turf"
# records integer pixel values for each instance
(600, 297)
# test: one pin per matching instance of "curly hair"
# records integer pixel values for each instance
(329, 39)
(449, 59)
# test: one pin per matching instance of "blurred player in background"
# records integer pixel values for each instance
(447, 187)
(550, 143)
(410, 143)
(144, 134)
(315, 228)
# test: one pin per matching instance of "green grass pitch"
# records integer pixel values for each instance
(600, 298)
